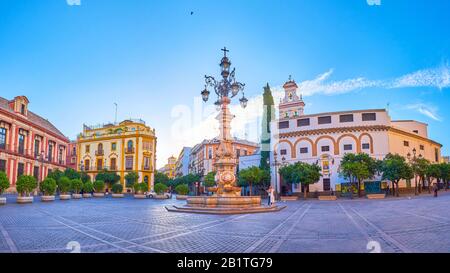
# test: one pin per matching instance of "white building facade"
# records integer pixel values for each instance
(325, 138)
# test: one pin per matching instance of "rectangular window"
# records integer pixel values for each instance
(60, 155)
(304, 150)
(36, 172)
(406, 143)
(346, 118)
(50, 153)
(129, 163)
(303, 122)
(369, 116)
(238, 153)
(283, 152)
(2, 138)
(283, 124)
(2, 165)
(37, 145)
(22, 109)
(436, 154)
(245, 152)
(326, 184)
(210, 155)
(146, 145)
(325, 148)
(422, 147)
(87, 148)
(21, 144)
(146, 163)
(99, 164)
(324, 120)
(20, 168)
(113, 146)
(416, 131)
(348, 147)
(87, 165)
(113, 166)
(366, 146)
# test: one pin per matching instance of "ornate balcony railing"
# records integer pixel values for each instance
(99, 152)
(129, 150)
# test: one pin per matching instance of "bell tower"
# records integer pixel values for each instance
(292, 105)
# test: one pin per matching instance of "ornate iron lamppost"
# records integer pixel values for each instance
(226, 89)
(227, 197)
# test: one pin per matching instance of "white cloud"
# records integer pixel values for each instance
(73, 2)
(426, 110)
(433, 77)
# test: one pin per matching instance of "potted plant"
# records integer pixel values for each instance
(77, 186)
(48, 188)
(87, 189)
(99, 188)
(64, 187)
(160, 190)
(4, 184)
(117, 190)
(182, 190)
(25, 185)
(139, 190)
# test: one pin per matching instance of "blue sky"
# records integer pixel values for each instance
(74, 61)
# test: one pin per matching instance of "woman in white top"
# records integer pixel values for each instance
(271, 196)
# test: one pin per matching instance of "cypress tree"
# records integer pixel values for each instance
(267, 118)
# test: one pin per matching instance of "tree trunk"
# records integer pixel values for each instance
(359, 188)
(429, 185)
(397, 191)
(250, 184)
(305, 192)
(415, 185)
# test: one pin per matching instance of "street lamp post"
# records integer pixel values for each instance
(411, 160)
(276, 164)
(226, 88)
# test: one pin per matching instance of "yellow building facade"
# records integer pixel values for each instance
(170, 168)
(128, 146)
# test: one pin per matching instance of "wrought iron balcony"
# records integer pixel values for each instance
(129, 150)
(99, 152)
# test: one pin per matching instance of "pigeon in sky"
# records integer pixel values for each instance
(192, 12)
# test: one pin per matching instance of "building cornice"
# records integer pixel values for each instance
(372, 128)
(33, 125)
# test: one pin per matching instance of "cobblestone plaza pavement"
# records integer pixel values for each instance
(127, 225)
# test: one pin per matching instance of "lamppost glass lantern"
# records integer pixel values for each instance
(205, 94)
(243, 101)
(234, 89)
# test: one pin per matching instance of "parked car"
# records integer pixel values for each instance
(153, 194)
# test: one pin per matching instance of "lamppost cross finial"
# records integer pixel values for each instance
(225, 50)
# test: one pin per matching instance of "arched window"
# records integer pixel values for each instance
(86, 165)
(130, 146)
(100, 147)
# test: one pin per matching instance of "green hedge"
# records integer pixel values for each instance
(117, 188)
(4, 182)
(26, 184)
(88, 187)
(140, 187)
(64, 185)
(182, 189)
(99, 186)
(76, 185)
(48, 186)
(160, 188)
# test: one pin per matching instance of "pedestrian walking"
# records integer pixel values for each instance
(435, 189)
(270, 194)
